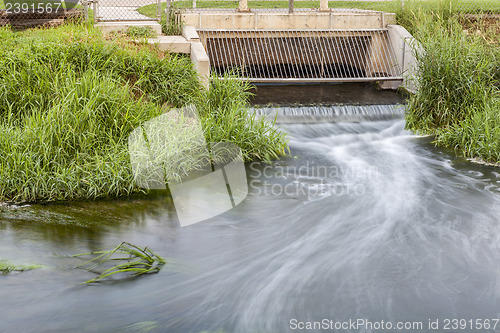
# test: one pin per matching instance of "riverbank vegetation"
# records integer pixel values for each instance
(458, 99)
(69, 99)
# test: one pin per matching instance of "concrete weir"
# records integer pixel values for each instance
(303, 46)
(307, 45)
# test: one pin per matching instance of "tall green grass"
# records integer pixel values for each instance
(415, 13)
(225, 119)
(69, 99)
(458, 96)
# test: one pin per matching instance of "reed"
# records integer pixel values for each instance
(125, 258)
(458, 97)
(226, 119)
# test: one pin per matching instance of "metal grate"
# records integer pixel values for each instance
(293, 55)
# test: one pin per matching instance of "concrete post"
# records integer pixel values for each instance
(201, 63)
(290, 6)
(96, 11)
(243, 6)
(86, 10)
(323, 5)
(168, 10)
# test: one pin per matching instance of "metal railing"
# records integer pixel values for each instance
(302, 55)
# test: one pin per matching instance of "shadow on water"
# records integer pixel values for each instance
(365, 221)
(334, 93)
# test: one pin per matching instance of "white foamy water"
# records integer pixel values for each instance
(365, 221)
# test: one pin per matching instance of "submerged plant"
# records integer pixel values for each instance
(7, 266)
(130, 258)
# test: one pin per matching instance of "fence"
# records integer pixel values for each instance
(465, 6)
(17, 11)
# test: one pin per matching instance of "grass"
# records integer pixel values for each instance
(141, 32)
(459, 95)
(130, 259)
(70, 98)
(462, 6)
(7, 266)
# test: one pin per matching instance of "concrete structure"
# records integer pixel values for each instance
(201, 62)
(405, 46)
(173, 44)
(359, 39)
(190, 44)
(108, 27)
(367, 41)
(307, 19)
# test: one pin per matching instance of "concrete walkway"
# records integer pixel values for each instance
(122, 10)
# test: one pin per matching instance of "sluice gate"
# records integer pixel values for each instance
(326, 55)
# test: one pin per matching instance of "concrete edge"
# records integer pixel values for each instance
(108, 27)
(172, 44)
(190, 33)
(404, 44)
(201, 62)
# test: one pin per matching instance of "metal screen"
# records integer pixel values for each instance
(293, 55)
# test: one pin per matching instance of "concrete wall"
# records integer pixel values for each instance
(404, 45)
(108, 27)
(188, 43)
(201, 63)
(284, 21)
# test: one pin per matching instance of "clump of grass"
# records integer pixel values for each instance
(130, 259)
(458, 96)
(414, 12)
(69, 100)
(67, 107)
(141, 32)
(7, 266)
(171, 25)
(478, 136)
(226, 119)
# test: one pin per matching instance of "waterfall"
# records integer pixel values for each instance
(330, 113)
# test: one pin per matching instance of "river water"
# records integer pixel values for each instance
(365, 222)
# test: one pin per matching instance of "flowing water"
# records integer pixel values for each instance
(364, 222)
